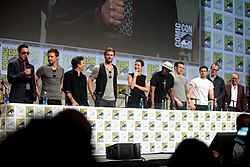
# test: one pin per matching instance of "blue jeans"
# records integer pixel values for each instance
(184, 107)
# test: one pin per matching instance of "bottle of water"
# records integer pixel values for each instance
(141, 103)
(215, 106)
(45, 98)
(162, 104)
(226, 107)
(209, 106)
(6, 97)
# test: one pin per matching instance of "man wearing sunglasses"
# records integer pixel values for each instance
(20, 75)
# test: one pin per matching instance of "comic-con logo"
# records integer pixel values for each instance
(183, 35)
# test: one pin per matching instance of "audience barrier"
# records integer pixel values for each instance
(157, 131)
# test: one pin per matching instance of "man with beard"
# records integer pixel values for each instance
(20, 75)
(105, 93)
(161, 86)
(52, 79)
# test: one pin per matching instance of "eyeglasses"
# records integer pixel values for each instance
(215, 70)
(110, 74)
(234, 78)
(54, 73)
(23, 53)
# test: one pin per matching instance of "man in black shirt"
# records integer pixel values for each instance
(75, 84)
(161, 84)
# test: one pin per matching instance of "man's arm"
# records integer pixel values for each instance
(191, 103)
(61, 85)
(172, 98)
(223, 91)
(12, 75)
(90, 87)
(211, 95)
(37, 88)
(74, 103)
(178, 102)
(67, 89)
(152, 96)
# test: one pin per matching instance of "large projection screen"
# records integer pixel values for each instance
(167, 29)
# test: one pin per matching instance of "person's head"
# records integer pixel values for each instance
(53, 56)
(243, 120)
(192, 152)
(77, 62)
(139, 64)
(109, 55)
(23, 52)
(235, 78)
(166, 67)
(178, 67)
(214, 69)
(203, 71)
(67, 135)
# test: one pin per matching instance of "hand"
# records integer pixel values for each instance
(93, 97)
(173, 107)
(74, 103)
(113, 12)
(180, 104)
(191, 105)
(27, 71)
(136, 73)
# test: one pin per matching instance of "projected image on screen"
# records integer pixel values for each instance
(156, 28)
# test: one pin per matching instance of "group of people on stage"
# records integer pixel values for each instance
(164, 84)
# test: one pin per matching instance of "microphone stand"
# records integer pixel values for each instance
(166, 102)
(195, 100)
(122, 92)
(234, 108)
(126, 101)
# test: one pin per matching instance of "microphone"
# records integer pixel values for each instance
(5, 86)
(164, 84)
(26, 64)
(195, 100)
(122, 91)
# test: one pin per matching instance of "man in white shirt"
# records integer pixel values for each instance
(200, 90)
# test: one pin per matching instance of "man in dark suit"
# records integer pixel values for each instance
(235, 96)
(219, 86)
(20, 75)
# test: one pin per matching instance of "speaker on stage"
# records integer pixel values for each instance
(123, 151)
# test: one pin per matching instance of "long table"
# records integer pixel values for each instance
(158, 131)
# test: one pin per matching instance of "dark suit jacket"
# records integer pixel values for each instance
(241, 101)
(18, 81)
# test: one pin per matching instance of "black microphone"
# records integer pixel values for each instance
(122, 91)
(26, 64)
(5, 86)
